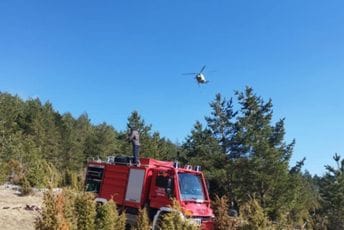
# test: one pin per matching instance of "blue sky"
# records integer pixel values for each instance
(108, 58)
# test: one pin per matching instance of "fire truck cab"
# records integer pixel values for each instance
(152, 184)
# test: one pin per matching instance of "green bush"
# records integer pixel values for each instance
(26, 188)
(41, 173)
(74, 180)
(3, 172)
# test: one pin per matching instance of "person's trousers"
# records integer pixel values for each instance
(136, 149)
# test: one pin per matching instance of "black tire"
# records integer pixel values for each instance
(160, 220)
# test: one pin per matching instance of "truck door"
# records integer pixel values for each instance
(162, 188)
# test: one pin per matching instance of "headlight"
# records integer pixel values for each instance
(188, 212)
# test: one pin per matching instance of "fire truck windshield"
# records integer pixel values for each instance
(190, 187)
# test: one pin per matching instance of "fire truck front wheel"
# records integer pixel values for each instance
(158, 218)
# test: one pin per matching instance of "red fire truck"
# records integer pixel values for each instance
(151, 184)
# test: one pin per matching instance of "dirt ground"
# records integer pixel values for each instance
(18, 212)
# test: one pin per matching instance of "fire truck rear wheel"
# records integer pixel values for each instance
(150, 211)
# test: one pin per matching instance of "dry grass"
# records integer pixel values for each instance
(18, 212)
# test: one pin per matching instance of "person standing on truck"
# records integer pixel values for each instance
(134, 138)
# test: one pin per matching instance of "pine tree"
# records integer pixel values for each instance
(332, 193)
(302, 197)
(136, 121)
(56, 212)
(85, 211)
(175, 220)
(253, 158)
(102, 142)
(222, 125)
(69, 207)
(51, 136)
(221, 122)
(48, 219)
(142, 220)
(222, 219)
(11, 111)
(262, 169)
(201, 148)
(167, 149)
(254, 217)
(106, 216)
(152, 145)
(62, 221)
(41, 173)
(74, 133)
(121, 221)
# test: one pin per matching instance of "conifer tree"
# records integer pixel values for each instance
(136, 121)
(303, 198)
(107, 216)
(142, 220)
(74, 133)
(222, 219)
(262, 169)
(41, 173)
(332, 193)
(167, 149)
(51, 136)
(254, 217)
(101, 142)
(60, 204)
(11, 109)
(121, 221)
(48, 219)
(56, 212)
(221, 122)
(69, 207)
(223, 126)
(85, 211)
(201, 148)
(175, 220)
(152, 145)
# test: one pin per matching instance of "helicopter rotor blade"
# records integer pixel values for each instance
(202, 69)
(189, 73)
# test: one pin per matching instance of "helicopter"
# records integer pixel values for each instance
(200, 78)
